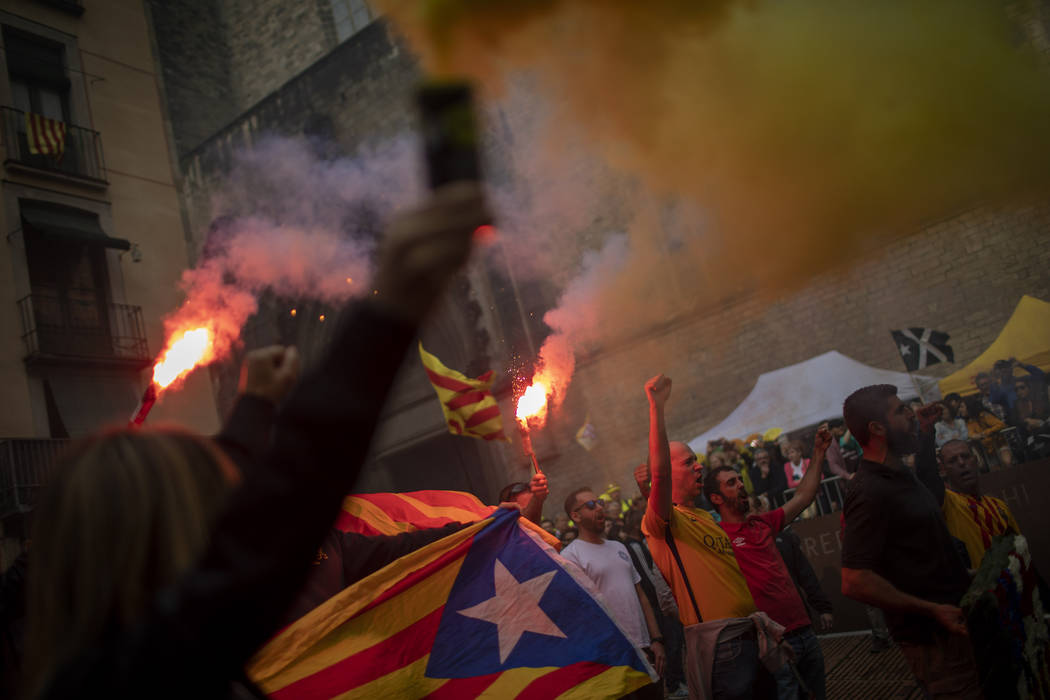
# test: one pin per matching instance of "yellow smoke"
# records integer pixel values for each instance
(800, 127)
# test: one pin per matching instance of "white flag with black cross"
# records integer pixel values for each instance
(922, 347)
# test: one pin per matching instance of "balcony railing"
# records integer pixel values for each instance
(25, 466)
(81, 157)
(79, 326)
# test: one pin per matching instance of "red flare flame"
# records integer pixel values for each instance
(532, 404)
(185, 352)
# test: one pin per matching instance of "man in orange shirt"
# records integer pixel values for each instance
(696, 558)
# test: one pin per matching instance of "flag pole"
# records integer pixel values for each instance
(526, 444)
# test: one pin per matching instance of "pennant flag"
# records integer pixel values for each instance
(469, 406)
(922, 347)
(46, 137)
(487, 611)
(587, 436)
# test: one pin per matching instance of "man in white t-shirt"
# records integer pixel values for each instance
(609, 566)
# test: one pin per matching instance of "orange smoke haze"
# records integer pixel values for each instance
(785, 136)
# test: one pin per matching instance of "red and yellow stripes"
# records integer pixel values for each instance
(468, 404)
(375, 635)
(392, 513)
(374, 640)
(45, 136)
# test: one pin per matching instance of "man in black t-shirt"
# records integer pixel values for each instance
(897, 553)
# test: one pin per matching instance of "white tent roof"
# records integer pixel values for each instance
(804, 394)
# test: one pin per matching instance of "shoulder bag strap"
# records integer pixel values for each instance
(678, 559)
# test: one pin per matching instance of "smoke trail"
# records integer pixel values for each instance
(793, 134)
(295, 224)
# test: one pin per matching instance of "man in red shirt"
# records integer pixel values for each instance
(753, 540)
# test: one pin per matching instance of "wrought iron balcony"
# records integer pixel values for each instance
(81, 156)
(25, 467)
(78, 326)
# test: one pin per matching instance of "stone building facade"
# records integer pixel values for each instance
(94, 241)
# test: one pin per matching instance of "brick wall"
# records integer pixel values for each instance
(963, 275)
(271, 41)
(196, 68)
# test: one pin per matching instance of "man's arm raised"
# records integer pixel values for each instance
(658, 389)
(810, 484)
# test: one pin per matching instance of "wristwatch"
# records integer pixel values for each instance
(657, 639)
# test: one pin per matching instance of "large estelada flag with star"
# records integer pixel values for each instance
(489, 611)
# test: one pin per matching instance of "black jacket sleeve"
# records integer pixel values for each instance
(198, 634)
(805, 578)
(926, 468)
(364, 555)
(247, 433)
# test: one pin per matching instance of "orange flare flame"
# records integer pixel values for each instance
(533, 403)
(185, 353)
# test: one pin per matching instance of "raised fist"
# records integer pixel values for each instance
(658, 389)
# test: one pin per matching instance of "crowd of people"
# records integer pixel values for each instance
(754, 580)
(162, 560)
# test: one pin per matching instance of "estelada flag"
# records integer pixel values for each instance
(488, 611)
(46, 137)
(468, 404)
(922, 347)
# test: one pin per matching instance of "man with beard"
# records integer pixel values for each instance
(608, 564)
(897, 553)
(767, 578)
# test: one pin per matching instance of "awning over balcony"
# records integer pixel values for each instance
(50, 219)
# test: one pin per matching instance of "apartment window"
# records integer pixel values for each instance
(350, 17)
(68, 310)
(36, 68)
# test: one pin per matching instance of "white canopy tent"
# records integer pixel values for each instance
(804, 394)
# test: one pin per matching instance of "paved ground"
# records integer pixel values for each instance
(853, 672)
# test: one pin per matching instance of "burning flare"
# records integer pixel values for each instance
(184, 353)
(533, 403)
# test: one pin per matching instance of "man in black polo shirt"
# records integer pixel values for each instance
(896, 551)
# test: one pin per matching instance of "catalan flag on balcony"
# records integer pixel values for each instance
(469, 406)
(489, 611)
(46, 137)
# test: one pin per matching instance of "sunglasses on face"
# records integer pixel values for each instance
(591, 505)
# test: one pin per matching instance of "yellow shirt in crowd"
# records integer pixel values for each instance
(976, 521)
(707, 555)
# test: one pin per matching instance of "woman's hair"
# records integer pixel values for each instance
(126, 513)
(974, 407)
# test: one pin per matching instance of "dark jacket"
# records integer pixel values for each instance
(344, 557)
(197, 635)
(790, 548)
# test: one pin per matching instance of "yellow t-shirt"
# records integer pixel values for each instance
(976, 521)
(707, 555)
